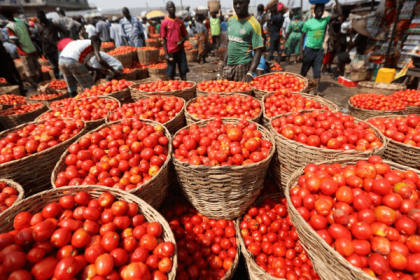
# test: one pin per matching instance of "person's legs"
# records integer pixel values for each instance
(181, 58)
(307, 61)
(171, 67)
(53, 59)
(11, 74)
(68, 76)
(82, 75)
(274, 43)
(316, 69)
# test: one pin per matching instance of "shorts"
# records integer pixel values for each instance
(31, 65)
(312, 58)
(236, 72)
(180, 59)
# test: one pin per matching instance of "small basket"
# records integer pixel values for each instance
(192, 56)
(328, 263)
(33, 172)
(148, 56)
(384, 88)
(192, 119)
(291, 155)
(37, 202)
(214, 6)
(259, 94)
(126, 59)
(10, 90)
(142, 74)
(186, 94)
(153, 191)
(160, 73)
(45, 87)
(155, 43)
(132, 76)
(364, 114)
(15, 120)
(223, 192)
(20, 195)
(323, 101)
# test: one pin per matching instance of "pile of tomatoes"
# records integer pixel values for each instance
(400, 129)
(161, 51)
(128, 70)
(106, 88)
(165, 86)
(11, 99)
(86, 109)
(34, 138)
(271, 238)
(161, 65)
(283, 101)
(206, 248)
(44, 96)
(61, 102)
(375, 101)
(122, 156)
(80, 237)
(221, 144)
(229, 106)
(367, 212)
(148, 48)
(122, 50)
(277, 67)
(107, 44)
(278, 81)
(8, 196)
(21, 109)
(138, 65)
(223, 86)
(57, 84)
(156, 108)
(328, 130)
(410, 97)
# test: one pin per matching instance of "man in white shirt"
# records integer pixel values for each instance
(90, 29)
(102, 30)
(112, 61)
(116, 33)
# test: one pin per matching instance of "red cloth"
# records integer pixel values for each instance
(329, 57)
(63, 43)
(174, 31)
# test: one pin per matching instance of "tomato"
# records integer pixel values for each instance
(61, 237)
(44, 269)
(104, 264)
(110, 241)
(136, 270)
(80, 238)
(67, 268)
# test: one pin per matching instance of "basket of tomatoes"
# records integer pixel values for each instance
(167, 110)
(236, 105)
(118, 89)
(19, 114)
(129, 74)
(129, 154)
(148, 55)
(86, 232)
(222, 177)
(37, 146)
(107, 46)
(269, 83)
(153, 42)
(125, 54)
(223, 86)
(10, 194)
(403, 134)
(141, 70)
(43, 61)
(183, 89)
(3, 82)
(369, 105)
(53, 86)
(9, 90)
(316, 135)
(282, 101)
(192, 55)
(10, 100)
(158, 70)
(357, 217)
(47, 98)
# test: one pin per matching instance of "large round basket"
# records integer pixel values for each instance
(45, 87)
(259, 94)
(193, 40)
(401, 153)
(148, 56)
(153, 191)
(186, 94)
(223, 192)
(9, 90)
(291, 155)
(37, 202)
(126, 59)
(155, 43)
(364, 114)
(132, 76)
(6, 106)
(107, 49)
(192, 56)
(160, 73)
(142, 74)
(412, 110)
(47, 102)
(323, 101)
(123, 96)
(192, 119)
(20, 195)
(15, 120)
(33, 172)
(327, 262)
(384, 88)
(205, 93)
(255, 272)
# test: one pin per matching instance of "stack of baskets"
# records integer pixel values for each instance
(153, 43)
(159, 73)
(192, 55)
(126, 59)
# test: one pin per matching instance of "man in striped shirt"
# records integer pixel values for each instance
(133, 29)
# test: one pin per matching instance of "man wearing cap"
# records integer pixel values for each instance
(116, 33)
(133, 30)
(67, 23)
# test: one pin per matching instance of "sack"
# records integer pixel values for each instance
(357, 63)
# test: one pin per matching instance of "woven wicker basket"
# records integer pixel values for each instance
(259, 94)
(33, 172)
(15, 120)
(45, 87)
(148, 56)
(123, 96)
(205, 93)
(132, 76)
(153, 191)
(126, 59)
(142, 74)
(221, 53)
(192, 56)
(160, 73)
(193, 41)
(37, 202)
(291, 155)
(20, 195)
(155, 43)
(364, 114)
(107, 49)
(5, 106)
(223, 191)
(321, 100)
(328, 263)
(4, 84)
(186, 94)
(47, 102)
(384, 88)
(192, 119)
(412, 110)
(10, 90)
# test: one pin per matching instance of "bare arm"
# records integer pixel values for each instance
(254, 64)
(165, 48)
(302, 39)
(102, 62)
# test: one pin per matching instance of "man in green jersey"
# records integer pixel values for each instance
(244, 36)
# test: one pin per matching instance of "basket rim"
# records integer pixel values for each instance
(372, 111)
(48, 100)
(375, 150)
(109, 95)
(165, 164)
(20, 197)
(141, 49)
(369, 84)
(195, 119)
(5, 132)
(242, 167)
(306, 80)
(134, 87)
(26, 114)
(248, 92)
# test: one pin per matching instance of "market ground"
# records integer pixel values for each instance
(334, 91)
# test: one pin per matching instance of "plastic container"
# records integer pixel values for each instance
(385, 75)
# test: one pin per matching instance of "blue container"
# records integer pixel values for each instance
(313, 2)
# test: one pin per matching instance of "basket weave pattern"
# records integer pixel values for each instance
(205, 93)
(126, 59)
(15, 120)
(384, 88)
(186, 94)
(364, 114)
(259, 94)
(21, 194)
(148, 56)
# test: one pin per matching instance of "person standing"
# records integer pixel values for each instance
(90, 28)
(276, 23)
(202, 38)
(151, 29)
(294, 33)
(190, 29)
(116, 33)
(244, 36)
(68, 24)
(20, 36)
(48, 34)
(215, 29)
(158, 26)
(9, 71)
(133, 30)
(314, 52)
(286, 24)
(102, 30)
(174, 34)
(146, 25)
(223, 32)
